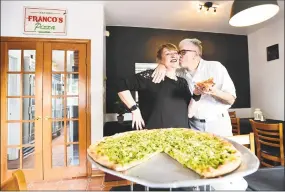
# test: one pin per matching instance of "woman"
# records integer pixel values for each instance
(162, 105)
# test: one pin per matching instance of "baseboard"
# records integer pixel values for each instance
(97, 173)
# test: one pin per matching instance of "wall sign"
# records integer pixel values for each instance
(44, 21)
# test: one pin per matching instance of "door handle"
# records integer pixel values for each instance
(47, 118)
(38, 118)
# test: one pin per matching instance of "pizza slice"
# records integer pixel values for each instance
(206, 84)
(124, 150)
(206, 154)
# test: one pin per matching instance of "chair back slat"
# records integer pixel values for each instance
(269, 138)
(270, 157)
(269, 144)
(232, 114)
(266, 164)
(268, 133)
(235, 131)
(234, 120)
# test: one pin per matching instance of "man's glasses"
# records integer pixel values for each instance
(184, 51)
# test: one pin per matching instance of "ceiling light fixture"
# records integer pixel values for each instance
(246, 13)
(207, 6)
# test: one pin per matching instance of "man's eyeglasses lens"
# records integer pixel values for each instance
(183, 52)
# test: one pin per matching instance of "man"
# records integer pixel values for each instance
(210, 113)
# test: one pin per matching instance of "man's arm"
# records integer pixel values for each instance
(160, 72)
(224, 97)
(227, 93)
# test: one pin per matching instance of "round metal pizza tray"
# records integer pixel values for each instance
(161, 171)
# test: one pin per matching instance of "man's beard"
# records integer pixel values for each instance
(181, 66)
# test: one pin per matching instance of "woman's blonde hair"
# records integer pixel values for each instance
(168, 46)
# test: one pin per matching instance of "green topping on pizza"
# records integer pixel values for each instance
(192, 149)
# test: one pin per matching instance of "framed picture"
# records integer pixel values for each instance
(272, 52)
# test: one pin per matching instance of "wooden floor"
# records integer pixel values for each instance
(92, 183)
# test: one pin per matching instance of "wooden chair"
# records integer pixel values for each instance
(235, 126)
(246, 139)
(15, 183)
(232, 114)
(269, 142)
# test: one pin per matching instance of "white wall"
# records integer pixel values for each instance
(267, 78)
(85, 20)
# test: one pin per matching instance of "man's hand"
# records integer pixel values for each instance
(201, 91)
(211, 91)
(137, 119)
(159, 73)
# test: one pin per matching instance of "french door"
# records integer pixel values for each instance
(43, 109)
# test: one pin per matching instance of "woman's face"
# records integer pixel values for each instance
(170, 58)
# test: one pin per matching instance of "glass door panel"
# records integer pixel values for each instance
(21, 108)
(64, 114)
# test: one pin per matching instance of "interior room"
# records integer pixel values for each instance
(63, 61)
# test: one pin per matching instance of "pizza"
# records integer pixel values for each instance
(206, 84)
(206, 154)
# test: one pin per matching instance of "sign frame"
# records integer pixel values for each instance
(45, 21)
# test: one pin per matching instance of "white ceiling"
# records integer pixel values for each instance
(178, 15)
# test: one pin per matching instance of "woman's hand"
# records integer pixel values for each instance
(137, 119)
(197, 91)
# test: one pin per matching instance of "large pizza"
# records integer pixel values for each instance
(206, 154)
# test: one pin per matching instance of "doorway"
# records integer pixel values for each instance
(44, 113)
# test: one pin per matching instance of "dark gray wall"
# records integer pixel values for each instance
(129, 45)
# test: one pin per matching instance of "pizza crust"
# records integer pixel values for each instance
(104, 160)
(228, 167)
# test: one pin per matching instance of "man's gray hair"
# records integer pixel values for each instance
(194, 41)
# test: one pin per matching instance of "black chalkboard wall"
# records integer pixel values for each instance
(129, 45)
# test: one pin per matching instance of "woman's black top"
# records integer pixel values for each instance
(162, 105)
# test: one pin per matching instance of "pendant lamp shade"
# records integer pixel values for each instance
(251, 12)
